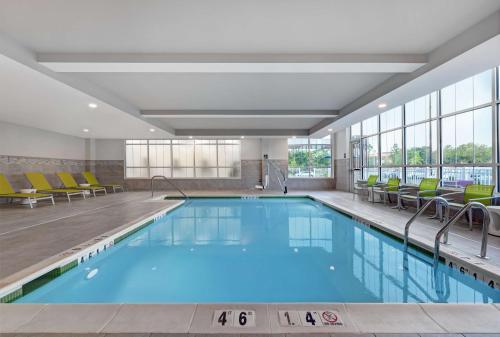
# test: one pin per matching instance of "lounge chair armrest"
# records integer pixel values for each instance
(485, 198)
(407, 189)
(452, 193)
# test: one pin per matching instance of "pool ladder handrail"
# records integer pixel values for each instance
(446, 227)
(168, 181)
(437, 200)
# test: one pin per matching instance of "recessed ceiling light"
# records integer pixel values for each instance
(85, 130)
(382, 105)
(152, 130)
(242, 137)
(92, 105)
(330, 130)
(190, 137)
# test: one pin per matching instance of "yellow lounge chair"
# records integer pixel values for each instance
(92, 180)
(6, 191)
(70, 182)
(39, 182)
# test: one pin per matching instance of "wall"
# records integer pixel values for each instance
(23, 141)
(24, 149)
(108, 166)
(341, 159)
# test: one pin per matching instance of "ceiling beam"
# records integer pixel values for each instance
(476, 35)
(239, 113)
(242, 132)
(20, 54)
(232, 63)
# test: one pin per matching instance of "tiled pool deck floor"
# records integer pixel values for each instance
(30, 238)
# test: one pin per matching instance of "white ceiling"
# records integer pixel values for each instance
(236, 91)
(33, 99)
(269, 29)
(239, 26)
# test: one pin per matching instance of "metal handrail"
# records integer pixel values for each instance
(277, 170)
(445, 228)
(438, 200)
(168, 181)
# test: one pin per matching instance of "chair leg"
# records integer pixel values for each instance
(31, 203)
(93, 192)
(67, 195)
(470, 218)
(52, 199)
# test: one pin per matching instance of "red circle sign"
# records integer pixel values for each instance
(329, 316)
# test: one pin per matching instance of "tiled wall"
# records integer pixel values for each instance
(14, 168)
(341, 169)
(112, 171)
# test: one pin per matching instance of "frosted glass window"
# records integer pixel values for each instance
(136, 153)
(159, 153)
(183, 153)
(206, 153)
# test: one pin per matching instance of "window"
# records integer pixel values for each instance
(356, 131)
(447, 134)
(370, 153)
(391, 148)
(467, 140)
(391, 119)
(421, 109)
(182, 158)
(421, 144)
(370, 126)
(136, 158)
(471, 92)
(309, 157)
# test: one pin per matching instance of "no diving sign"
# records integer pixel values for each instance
(309, 318)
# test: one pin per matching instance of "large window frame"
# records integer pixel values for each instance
(435, 165)
(194, 169)
(309, 145)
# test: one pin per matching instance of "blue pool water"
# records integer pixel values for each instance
(262, 250)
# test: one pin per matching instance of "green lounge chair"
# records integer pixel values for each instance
(391, 187)
(367, 185)
(39, 182)
(426, 190)
(92, 180)
(70, 182)
(6, 191)
(472, 192)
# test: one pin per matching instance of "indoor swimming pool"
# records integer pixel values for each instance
(214, 250)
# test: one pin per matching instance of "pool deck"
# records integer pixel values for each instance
(30, 238)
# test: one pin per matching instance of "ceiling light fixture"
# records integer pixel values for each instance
(152, 130)
(92, 105)
(330, 130)
(190, 137)
(242, 137)
(85, 130)
(382, 105)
